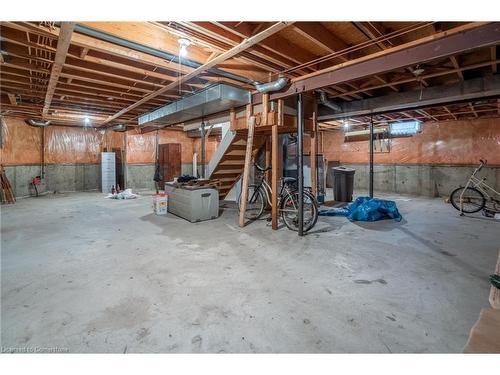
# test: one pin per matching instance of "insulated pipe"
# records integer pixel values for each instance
(152, 51)
(272, 86)
(300, 162)
(323, 99)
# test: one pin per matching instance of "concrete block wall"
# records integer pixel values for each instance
(58, 178)
(424, 180)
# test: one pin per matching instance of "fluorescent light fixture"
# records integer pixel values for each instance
(183, 45)
(405, 127)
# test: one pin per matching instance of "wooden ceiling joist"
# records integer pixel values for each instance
(222, 57)
(63, 43)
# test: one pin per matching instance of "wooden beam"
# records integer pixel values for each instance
(275, 165)
(493, 58)
(450, 112)
(265, 107)
(451, 42)
(248, 165)
(217, 60)
(268, 159)
(12, 99)
(456, 65)
(62, 49)
(84, 52)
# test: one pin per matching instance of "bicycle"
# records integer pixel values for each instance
(475, 195)
(259, 195)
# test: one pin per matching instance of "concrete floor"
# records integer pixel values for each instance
(88, 274)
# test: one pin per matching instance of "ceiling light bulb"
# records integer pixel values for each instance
(183, 51)
(86, 120)
(346, 125)
(183, 45)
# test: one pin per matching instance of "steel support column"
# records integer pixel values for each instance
(300, 162)
(371, 158)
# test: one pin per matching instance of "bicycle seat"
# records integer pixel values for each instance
(289, 180)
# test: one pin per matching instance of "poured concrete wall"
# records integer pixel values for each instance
(58, 178)
(425, 180)
(140, 176)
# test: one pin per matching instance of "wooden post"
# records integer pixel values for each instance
(268, 159)
(275, 166)
(232, 118)
(248, 165)
(265, 108)
(314, 151)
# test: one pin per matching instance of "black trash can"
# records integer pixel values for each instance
(343, 184)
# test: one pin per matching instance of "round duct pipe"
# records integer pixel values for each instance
(120, 128)
(38, 123)
(272, 86)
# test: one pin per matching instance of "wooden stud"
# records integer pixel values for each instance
(268, 159)
(84, 52)
(265, 108)
(12, 99)
(248, 165)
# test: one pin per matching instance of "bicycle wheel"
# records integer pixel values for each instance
(472, 199)
(289, 210)
(255, 203)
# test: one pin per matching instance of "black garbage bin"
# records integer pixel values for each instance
(343, 184)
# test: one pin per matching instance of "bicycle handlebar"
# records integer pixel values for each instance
(482, 163)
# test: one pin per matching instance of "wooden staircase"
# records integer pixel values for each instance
(227, 163)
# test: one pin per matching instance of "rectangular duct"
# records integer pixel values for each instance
(210, 100)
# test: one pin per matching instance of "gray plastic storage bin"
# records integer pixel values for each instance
(193, 203)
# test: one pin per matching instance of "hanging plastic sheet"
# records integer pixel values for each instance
(141, 147)
(22, 144)
(366, 209)
(450, 142)
(72, 145)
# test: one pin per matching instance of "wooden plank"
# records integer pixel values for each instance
(63, 43)
(265, 108)
(268, 159)
(12, 98)
(248, 165)
(217, 60)
(485, 334)
(494, 292)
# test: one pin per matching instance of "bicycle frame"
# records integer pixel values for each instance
(267, 191)
(480, 185)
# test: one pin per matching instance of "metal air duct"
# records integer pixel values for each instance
(213, 99)
(39, 123)
(272, 86)
(323, 99)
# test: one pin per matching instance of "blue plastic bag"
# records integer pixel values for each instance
(366, 209)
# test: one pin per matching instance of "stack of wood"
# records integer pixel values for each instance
(208, 183)
(6, 192)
